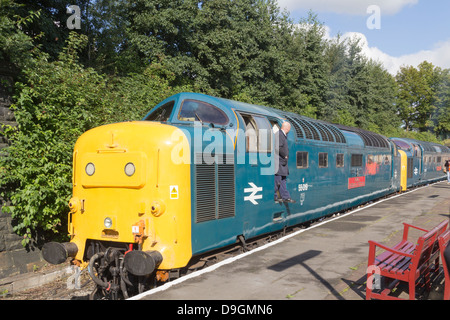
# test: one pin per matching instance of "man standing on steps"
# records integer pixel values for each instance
(282, 171)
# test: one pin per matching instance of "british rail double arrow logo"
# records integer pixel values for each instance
(253, 196)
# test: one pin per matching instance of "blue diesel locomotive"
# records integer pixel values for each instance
(197, 175)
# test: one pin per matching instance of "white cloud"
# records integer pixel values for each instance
(353, 7)
(439, 55)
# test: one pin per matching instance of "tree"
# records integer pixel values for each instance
(159, 32)
(418, 95)
(361, 92)
(16, 47)
(311, 72)
(441, 117)
(221, 47)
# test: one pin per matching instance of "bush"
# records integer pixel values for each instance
(58, 102)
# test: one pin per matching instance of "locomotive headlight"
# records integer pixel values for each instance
(129, 169)
(107, 222)
(90, 169)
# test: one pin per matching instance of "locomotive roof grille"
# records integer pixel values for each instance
(427, 147)
(370, 139)
(298, 130)
(337, 133)
(306, 128)
(326, 134)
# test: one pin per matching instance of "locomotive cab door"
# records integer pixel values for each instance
(258, 181)
(418, 154)
(403, 169)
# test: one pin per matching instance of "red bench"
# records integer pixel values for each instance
(443, 242)
(406, 261)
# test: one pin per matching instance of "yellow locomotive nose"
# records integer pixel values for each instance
(123, 177)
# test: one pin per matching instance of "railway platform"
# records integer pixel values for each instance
(326, 261)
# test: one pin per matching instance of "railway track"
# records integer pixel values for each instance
(55, 290)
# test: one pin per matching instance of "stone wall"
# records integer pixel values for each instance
(14, 258)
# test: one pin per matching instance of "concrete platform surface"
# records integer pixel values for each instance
(327, 261)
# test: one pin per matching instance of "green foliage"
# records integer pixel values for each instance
(361, 93)
(441, 118)
(16, 46)
(136, 94)
(421, 92)
(59, 101)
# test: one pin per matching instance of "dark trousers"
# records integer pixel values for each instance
(280, 186)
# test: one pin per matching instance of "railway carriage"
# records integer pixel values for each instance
(197, 175)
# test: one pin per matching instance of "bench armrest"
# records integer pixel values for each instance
(406, 227)
(415, 227)
(374, 245)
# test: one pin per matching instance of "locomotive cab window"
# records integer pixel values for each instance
(193, 110)
(162, 113)
(258, 133)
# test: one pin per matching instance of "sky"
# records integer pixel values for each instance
(395, 32)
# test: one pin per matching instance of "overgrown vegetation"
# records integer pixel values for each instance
(129, 55)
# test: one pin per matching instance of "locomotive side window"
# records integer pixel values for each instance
(357, 160)
(193, 110)
(162, 113)
(302, 160)
(339, 160)
(323, 160)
